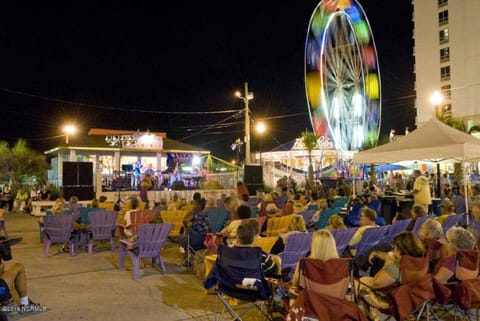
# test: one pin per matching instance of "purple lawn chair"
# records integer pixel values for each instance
(102, 227)
(419, 222)
(58, 229)
(342, 238)
(296, 247)
(450, 221)
(371, 237)
(307, 216)
(396, 227)
(151, 239)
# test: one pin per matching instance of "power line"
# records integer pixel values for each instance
(135, 109)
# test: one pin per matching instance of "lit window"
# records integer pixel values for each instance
(442, 3)
(447, 91)
(443, 17)
(444, 54)
(443, 36)
(445, 73)
(447, 110)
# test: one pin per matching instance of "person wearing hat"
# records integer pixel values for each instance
(446, 209)
(272, 210)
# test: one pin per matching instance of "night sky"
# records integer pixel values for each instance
(122, 65)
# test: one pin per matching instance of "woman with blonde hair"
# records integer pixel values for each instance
(323, 248)
(335, 223)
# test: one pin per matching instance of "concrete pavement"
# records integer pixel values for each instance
(87, 287)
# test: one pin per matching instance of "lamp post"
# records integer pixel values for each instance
(246, 97)
(260, 129)
(69, 130)
(436, 99)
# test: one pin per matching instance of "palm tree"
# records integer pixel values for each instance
(309, 140)
(21, 161)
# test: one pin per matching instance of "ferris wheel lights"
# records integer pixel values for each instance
(361, 29)
(371, 86)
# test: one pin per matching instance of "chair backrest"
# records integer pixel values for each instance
(152, 238)
(330, 277)
(58, 227)
(396, 227)
(413, 269)
(419, 222)
(340, 201)
(376, 205)
(107, 205)
(217, 219)
(102, 224)
(450, 221)
(84, 213)
(370, 237)
(343, 237)
(297, 246)
(278, 225)
(468, 262)
(220, 203)
(254, 211)
(312, 207)
(307, 216)
(234, 266)
(281, 201)
(253, 201)
(325, 217)
(175, 217)
(140, 217)
(265, 243)
(436, 251)
(353, 216)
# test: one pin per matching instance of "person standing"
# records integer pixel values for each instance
(421, 190)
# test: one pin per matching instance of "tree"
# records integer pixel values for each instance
(21, 161)
(460, 124)
(310, 141)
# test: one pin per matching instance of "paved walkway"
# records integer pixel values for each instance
(87, 287)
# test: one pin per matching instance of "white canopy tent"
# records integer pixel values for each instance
(432, 142)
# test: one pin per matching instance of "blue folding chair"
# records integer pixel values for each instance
(325, 217)
(217, 219)
(396, 227)
(450, 221)
(419, 222)
(340, 201)
(342, 238)
(371, 237)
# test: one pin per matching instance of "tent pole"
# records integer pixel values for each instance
(439, 193)
(465, 190)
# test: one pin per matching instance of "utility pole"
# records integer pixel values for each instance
(247, 126)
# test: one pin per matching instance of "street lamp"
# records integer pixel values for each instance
(260, 128)
(436, 99)
(246, 97)
(69, 130)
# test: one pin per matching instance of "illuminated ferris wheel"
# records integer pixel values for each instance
(342, 77)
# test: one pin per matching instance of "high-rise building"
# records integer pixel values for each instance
(447, 58)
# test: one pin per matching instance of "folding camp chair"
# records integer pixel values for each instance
(419, 222)
(342, 238)
(370, 237)
(238, 274)
(466, 290)
(451, 221)
(325, 217)
(296, 247)
(396, 227)
(307, 216)
(324, 293)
